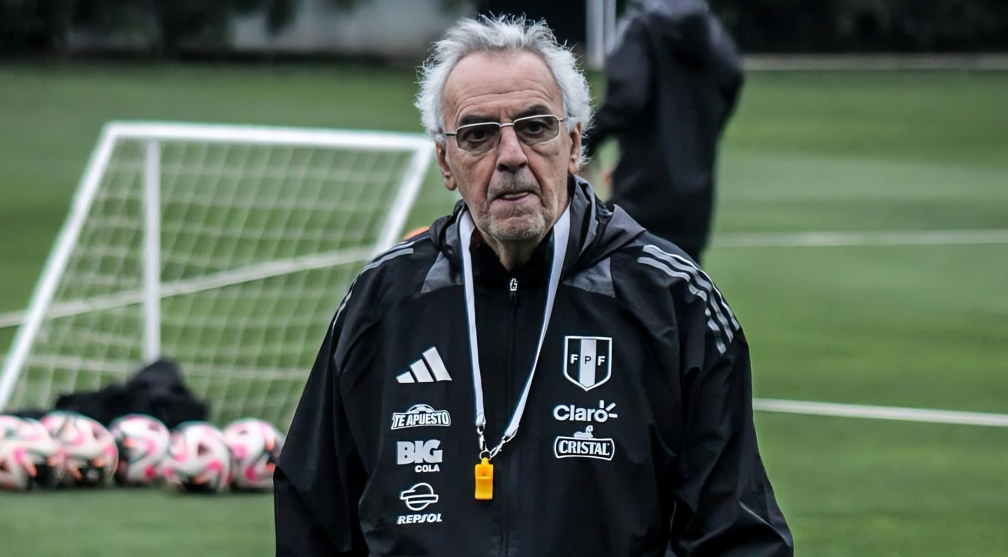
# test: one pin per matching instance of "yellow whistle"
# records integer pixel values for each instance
(484, 480)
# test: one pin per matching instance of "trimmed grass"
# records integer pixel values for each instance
(919, 326)
(98, 523)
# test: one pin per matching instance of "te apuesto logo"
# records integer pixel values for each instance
(420, 415)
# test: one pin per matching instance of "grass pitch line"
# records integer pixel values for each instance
(869, 238)
(880, 412)
(893, 413)
(797, 239)
(875, 62)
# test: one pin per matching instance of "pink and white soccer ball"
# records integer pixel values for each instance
(199, 459)
(143, 444)
(255, 446)
(89, 450)
(28, 455)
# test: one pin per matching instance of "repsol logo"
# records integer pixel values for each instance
(572, 413)
(418, 518)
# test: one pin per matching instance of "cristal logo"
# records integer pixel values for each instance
(584, 444)
(424, 454)
(572, 413)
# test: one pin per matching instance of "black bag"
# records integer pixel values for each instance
(158, 390)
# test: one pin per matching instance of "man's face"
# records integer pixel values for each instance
(515, 192)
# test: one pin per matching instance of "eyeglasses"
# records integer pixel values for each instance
(482, 137)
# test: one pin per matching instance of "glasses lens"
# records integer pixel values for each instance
(477, 138)
(537, 129)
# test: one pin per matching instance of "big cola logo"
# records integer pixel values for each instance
(425, 455)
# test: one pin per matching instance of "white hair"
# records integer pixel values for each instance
(501, 35)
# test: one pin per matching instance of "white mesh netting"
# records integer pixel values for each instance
(259, 243)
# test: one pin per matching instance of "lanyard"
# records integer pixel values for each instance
(561, 231)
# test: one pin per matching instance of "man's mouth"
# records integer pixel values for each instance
(514, 196)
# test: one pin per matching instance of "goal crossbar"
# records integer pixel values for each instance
(267, 135)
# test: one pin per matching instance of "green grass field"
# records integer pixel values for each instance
(901, 325)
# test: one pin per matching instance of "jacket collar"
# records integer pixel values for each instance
(596, 231)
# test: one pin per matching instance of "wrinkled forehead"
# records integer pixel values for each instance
(498, 87)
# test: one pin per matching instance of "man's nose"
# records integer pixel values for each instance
(510, 155)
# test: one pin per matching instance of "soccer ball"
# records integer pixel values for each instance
(143, 444)
(255, 446)
(89, 450)
(28, 455)
(199, 459)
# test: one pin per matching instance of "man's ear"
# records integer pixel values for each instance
(574, 166)
(446, 173)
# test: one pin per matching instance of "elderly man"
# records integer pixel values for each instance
(535, 375)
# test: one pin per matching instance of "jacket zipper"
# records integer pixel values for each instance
(513, 298)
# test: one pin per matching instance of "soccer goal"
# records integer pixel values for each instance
(225, 248)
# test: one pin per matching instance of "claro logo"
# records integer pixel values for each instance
(573, 413)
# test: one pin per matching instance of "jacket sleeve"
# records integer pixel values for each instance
(628, 86)
(724, 503)
(319, 478)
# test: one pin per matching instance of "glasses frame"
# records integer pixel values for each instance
(500, 131)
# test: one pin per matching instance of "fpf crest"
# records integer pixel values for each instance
(588, 361)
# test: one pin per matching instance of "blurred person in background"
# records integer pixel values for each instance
(673, 81)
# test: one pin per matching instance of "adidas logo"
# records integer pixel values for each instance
(428, 369)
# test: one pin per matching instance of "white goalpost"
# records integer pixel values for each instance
(224, 248)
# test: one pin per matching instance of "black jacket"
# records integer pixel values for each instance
(673, 82)
(650, 449)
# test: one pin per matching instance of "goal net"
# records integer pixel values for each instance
(224, 248)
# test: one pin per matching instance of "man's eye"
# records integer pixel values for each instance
(534, 129)
(477, 135)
